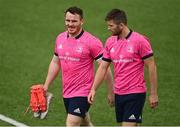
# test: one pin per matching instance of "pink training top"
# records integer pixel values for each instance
(127, 56)
(76, 59)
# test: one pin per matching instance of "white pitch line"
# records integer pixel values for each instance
(11, 121)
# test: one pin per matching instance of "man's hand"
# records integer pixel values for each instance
(91, 96)
(153, 101)
(110, 98)
(45, 87)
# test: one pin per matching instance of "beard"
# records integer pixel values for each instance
(116, 31)
(73, 30)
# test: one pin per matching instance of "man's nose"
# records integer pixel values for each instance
(70, 23)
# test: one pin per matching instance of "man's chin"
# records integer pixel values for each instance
(114, 34)
(71, 32)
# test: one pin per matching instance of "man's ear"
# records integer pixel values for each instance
(121, 25)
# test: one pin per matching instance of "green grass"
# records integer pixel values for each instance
(27, 33)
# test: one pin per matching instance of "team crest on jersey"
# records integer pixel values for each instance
(79, 49)
(130, 49)
(121, 56)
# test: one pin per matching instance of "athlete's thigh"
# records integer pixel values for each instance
(86, 121)
(129, 124)
(73, 120)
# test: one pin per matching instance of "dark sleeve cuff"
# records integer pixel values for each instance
(55, 54)
(107, 60)
(147, 56)
(98, 57)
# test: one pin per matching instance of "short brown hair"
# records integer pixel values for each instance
(117, 15)
(75, 10)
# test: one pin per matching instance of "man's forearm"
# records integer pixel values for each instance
(53, 71)
(153, 79)
(109, 80)
(99, 77)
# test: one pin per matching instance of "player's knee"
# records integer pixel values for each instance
(71, 122)
(86, 123)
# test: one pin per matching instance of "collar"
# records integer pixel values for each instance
(78, 36)
(129, 34)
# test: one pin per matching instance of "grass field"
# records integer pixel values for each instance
(28, 29)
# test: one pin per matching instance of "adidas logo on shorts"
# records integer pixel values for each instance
(77, 111)
(132, 117)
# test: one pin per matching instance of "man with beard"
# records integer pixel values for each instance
(74, 54)
(129, 51)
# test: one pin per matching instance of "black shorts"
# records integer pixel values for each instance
(77, 106)
(129, 107)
